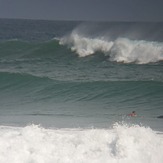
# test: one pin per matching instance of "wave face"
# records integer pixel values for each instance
(43, 79)
(77, 80)
(129, 144)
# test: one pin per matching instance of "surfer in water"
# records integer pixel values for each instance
(133, 114)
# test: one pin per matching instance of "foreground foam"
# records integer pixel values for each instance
(121, 144)
(119, 50)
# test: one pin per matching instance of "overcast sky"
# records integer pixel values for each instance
(100, 10)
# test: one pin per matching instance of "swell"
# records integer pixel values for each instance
(16, 49)
(109, 92)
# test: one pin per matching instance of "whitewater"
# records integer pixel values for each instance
(67, 88)
(130, 144)
(119, 50)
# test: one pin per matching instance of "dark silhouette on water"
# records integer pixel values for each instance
(161, 116)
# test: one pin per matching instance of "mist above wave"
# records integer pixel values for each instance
(85, 46)
(120, 50)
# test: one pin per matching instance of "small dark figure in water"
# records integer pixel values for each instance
(133, 114)
(161, 116)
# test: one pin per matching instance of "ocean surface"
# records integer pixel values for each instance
(67, 87)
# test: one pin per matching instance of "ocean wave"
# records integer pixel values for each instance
(44, 89)
(119, 50)
(18, 50)
(142, 52)
(122, 143)
(15, 75)
(122, 50)
(86, 46)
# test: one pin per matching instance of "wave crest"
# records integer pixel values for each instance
(141, 52)
(119, 50)
(85, 46)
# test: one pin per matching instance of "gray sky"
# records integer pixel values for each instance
(100, 10)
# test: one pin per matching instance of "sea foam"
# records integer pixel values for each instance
(86, 46)
(119, 50)
(121, 144)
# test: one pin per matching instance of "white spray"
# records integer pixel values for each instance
(119, 50)
(121, 144)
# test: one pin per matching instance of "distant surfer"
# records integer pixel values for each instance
(133, 114)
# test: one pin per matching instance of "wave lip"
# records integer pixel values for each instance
(141, 52)
(86, 46)
(119, 50)
(130, 144)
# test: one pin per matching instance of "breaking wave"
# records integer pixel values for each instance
(119, 50)
(122, 143)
